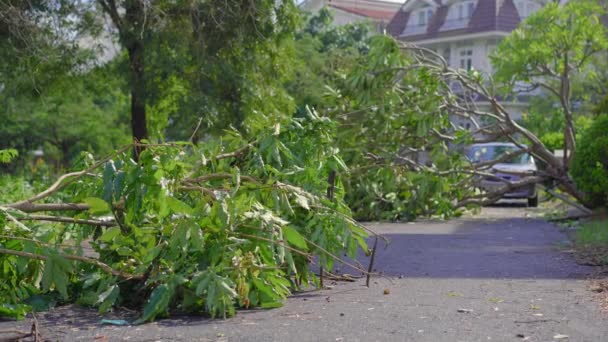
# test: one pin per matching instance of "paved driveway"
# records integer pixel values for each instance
(498, 277)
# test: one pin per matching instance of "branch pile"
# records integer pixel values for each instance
(190, 228)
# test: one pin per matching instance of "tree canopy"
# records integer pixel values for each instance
(551, 46)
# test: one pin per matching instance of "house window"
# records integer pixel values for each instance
(465, 57)
(525, 8)
(424, 16)
(465, 10)
(421, 18)
(459, 15)
(419, 21)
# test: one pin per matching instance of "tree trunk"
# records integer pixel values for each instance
(138, 94)
(132, 38)
(569, 130)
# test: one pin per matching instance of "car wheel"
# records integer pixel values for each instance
(533, 201)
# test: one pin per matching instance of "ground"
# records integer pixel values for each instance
(503, 275)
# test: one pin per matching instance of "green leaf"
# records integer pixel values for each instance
(97, 205)
(107, 298)
(264, 288)
(55, 272)
(110, 234)
(294, 238)
(158, 303)
(178, 206)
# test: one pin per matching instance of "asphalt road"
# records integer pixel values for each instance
(502, 276)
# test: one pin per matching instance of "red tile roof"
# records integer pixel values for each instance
(365, 12)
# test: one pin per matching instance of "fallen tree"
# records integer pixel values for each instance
(400, 104)
(189, 228)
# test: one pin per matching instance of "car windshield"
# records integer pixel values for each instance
(480, 154)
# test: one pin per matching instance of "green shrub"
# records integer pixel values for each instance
(590, 163)
(553, 140)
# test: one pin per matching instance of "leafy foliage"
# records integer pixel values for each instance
(389, 117)
(195, 228)
(6, 156)
(82, 112)
(551, 51)
(325, 54)
(539, 46)
(384, 116)
(590, 164)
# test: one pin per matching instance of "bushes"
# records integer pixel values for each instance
(590, 163)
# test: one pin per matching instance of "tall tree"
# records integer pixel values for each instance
(548, 50)
(210, 26)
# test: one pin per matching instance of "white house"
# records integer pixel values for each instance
(345, 12)
(464, 32)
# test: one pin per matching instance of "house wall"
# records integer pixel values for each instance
(481, 49)
(344, 18)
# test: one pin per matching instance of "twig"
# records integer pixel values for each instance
(28, 207)
(321, 277)
(87, 260)
(198, 125)
(38, 242)
(569, 201)
(352, 221)
(70, 177)
(536, 321)
(232, 154)
(341, 277)
(35, 332)
(220, 175)
(371, 262)
(12, 218)
(335, 257)
(63, 219)
(275, 242)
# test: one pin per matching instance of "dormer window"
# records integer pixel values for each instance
(419, 21)
(459, 15)
(424, 16)
(525, 8)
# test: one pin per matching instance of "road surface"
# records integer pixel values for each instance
(501, 276)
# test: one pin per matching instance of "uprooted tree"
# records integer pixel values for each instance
(552, 47)
(393, 110)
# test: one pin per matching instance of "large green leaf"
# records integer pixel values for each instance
(178, 206)
(158, 303)
(294, 238)
(97, 205)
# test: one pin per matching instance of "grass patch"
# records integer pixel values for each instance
(591, 241)
(593, 233)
